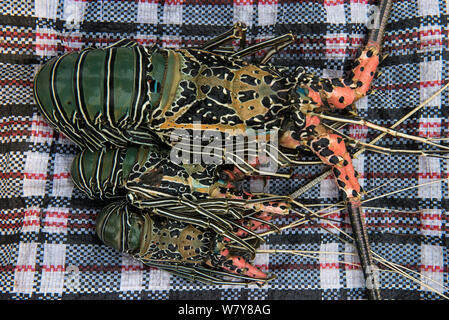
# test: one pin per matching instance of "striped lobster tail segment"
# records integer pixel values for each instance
(95, 96)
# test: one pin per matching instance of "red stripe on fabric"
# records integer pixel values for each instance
(27, 223)
(62, 175)
(267, 2)
(352, 266)
(143, 41)
(429, 175)
(336, 51)
(358, 131)
(427, 124)
(47, 36)
(56, 214)
(243, 2)
(431, 268)
(16, 34)
(12, 45)
(430, 227)
(16, 82)
(337, 40)
(431, 32)
(53, 268)
(132, 268)
(329, 265)
(14, 133)
(49, 47)
(174, 2)
(41, 134)
(333, 2)
(35, 176)
(24, 268)
(15, 123)
(431, 216)
(412, 85)
(55, 224)
(41, 123)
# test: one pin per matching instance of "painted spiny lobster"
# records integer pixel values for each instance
(127, 94)
(207, 220)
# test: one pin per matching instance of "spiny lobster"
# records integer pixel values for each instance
(126, 94)
(195, 228)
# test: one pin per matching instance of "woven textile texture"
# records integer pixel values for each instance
(48, 246)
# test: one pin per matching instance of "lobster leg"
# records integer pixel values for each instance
(341, 93)
(238, 265)
(265, 209)
(237, 32)
(331, 149)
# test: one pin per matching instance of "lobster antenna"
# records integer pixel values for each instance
(383, 150)
(394, 267)
(368, 124)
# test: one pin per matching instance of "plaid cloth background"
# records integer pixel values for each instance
(48, 247)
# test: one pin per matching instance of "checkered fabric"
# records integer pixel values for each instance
(48, 246)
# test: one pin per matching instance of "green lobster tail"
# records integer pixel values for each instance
(98, 174)
(95, 96)
(119, 227)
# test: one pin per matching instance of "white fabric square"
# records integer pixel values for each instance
(147, 12)
(46, 8)
(131, 275)
(336, 45)
(329, 266)
(431, 222)
(159, 280)
(55, 220)
(35, 174)
(328, 188)
(146, 40)
(73, 12)
(31, 220)
(430, 77)
(172, 14)
(40, 131)
(243, 13)
(432, 267)
(25, 268)
(46, 42)
(430, 127)
(53, 268)
(354, 274)
(428, 7)
(359, 12)
(429, 170)
(62, 183)
(335, 12)
(267, 14)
